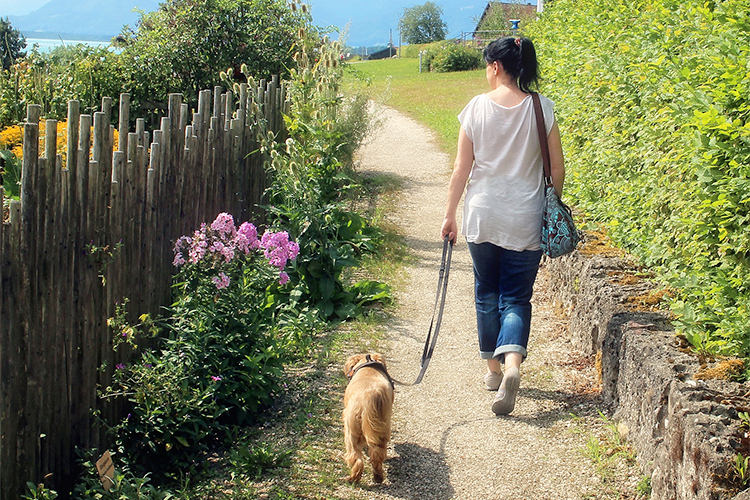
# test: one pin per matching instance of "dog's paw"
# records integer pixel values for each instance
(352, 479)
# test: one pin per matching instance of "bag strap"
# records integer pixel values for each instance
(542, 129)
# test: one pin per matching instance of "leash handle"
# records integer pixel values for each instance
(437, 311)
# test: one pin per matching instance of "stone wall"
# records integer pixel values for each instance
(686, 431)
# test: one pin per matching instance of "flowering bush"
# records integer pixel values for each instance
(450, 56)
(218, 244)
(11, 138)
(231, 328)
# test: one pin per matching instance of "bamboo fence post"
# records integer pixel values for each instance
(81, 290)
(62, 281)
(46, 336)
(124, 123)
(11, 353)
(139, 209)
(29, 397)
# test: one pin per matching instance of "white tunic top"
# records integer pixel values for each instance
(505, 193)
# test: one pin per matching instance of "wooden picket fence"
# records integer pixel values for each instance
(94, 231)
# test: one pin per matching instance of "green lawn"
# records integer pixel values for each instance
(431, 98)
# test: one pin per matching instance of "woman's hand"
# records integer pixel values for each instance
(450, 229)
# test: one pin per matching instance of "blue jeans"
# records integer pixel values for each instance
(503, 285)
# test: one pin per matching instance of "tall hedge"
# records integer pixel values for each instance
(653, 104)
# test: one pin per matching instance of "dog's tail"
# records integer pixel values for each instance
(376, 418)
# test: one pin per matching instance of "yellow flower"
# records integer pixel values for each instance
(12, 138)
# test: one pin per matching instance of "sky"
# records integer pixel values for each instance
(18, 7)
(369, 22)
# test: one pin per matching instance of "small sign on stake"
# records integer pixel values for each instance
(106, 470)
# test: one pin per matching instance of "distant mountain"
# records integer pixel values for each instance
(101, 18)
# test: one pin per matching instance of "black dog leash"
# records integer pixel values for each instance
(437, 312)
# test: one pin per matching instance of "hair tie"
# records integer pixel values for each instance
(518, 42)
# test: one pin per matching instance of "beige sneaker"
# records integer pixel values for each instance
(492, 380)
(505, 400)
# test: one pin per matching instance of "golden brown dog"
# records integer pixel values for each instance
(368, 404)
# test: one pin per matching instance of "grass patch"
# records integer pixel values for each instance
(434, 99)
(614, 460)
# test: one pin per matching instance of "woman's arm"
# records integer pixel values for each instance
(557, 163)
(461, 170)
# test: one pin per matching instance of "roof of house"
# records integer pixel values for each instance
(389, 51)
(506, 6)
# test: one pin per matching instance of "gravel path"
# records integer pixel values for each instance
(447, 443)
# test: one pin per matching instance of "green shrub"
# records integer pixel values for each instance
(311, 177)
(455, 57)
(10, 170)
(184, 45)
(653, 104)
(39, 492)
(127, 485)
(412, 50)
(51, 79)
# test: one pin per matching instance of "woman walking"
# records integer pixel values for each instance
(499, 164)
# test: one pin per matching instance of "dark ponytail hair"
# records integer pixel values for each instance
(518, 57)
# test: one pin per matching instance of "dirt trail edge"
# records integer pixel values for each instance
(447, 443)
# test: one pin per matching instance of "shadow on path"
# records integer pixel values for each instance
(447, 432)
(418, 473)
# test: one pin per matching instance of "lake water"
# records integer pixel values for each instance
(47, 44)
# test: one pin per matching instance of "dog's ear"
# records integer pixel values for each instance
(351, 362)
(378, 357)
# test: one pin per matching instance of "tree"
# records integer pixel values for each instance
(423, 24)
(185, 45)
(12, 43)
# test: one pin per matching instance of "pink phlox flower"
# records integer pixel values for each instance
(215, 378)
(278, 249)
(283, 278)
(242, 243)
(224, 225)
(197, 253)
(217, 247)
(249, 231)
(228, 253)
(293, 250)
(178, 260)
(198, 247)
(182, 243)
(276, 257)
(221, 281)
